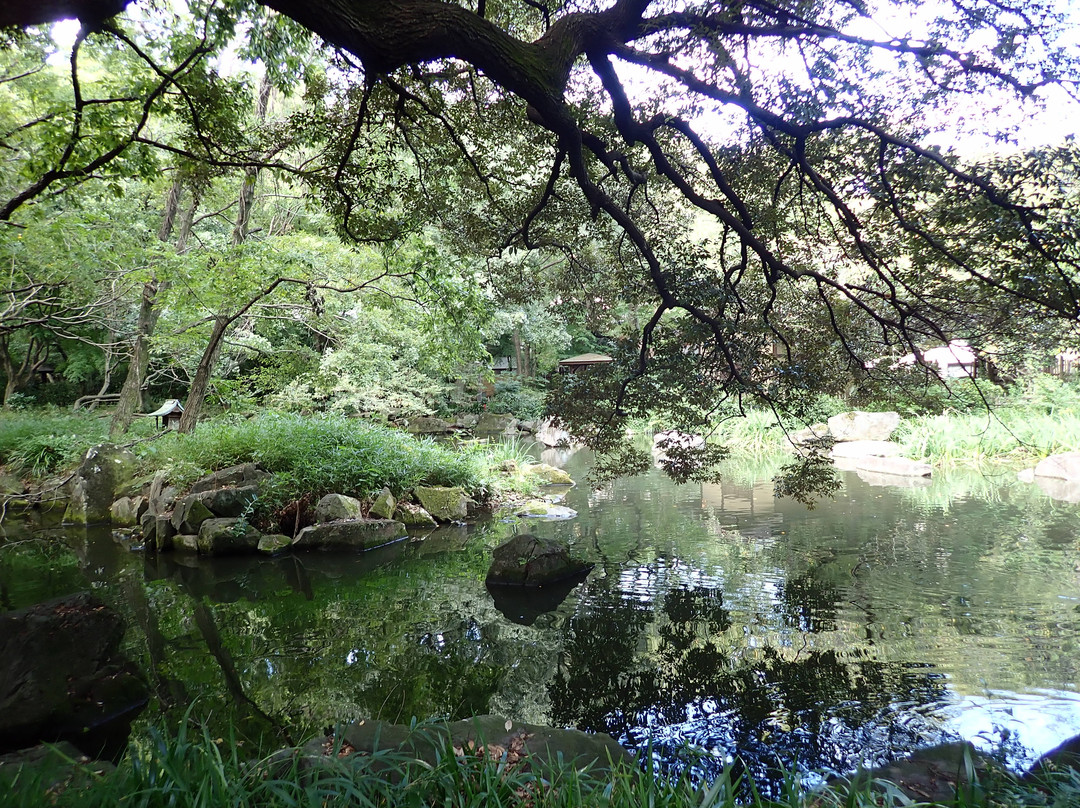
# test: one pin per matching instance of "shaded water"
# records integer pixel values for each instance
(718, 622)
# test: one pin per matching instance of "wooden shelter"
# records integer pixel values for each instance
(168, 414)
(585, 360)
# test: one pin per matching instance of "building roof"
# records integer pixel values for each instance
(168, 408)
(587, 359)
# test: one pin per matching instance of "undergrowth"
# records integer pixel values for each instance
(193, 769)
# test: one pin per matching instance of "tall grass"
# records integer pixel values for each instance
(1013, 436)
(316, 455)
(41, 441)
(196, 770)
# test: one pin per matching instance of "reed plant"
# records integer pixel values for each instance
(193, 769)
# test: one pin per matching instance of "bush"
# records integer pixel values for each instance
(521, 399)
(320, 454)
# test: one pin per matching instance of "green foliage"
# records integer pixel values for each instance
(41, 441)
(194, 769)
(523, 399)
(316, 455)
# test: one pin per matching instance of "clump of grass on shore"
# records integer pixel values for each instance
(196, 770)
(316, 455)
(1010, 436)
(41, 441)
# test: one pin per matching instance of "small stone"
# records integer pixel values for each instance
(273, 543)
(335, 507)
(384, 505)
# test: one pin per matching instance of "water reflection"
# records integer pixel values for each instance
(716, 616)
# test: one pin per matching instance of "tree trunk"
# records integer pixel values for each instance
(131, 393)
(201, 383)
(187, 220)
(251, 174)
(131, 399)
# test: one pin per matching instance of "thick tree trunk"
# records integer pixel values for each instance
(131, 393)
(187, 220)
(201, 382)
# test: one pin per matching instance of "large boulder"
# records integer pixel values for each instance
(528, 560)
(858, 425)
(354, 534)
(336, 507)
(935, 775)
(243, 475)
(63, 677)
(103, 471)
(445, 504)
(227, 536)
(162, 495)
(1065, 466)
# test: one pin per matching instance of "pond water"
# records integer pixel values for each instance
(718, 622)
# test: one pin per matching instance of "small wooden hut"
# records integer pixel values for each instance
(586, 360)
(168, 414)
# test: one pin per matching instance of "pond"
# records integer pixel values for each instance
(719, 622)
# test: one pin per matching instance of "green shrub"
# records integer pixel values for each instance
(43, 440)
(524, 400)
(321, 454)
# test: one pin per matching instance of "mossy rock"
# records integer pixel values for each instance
(549, 474)
(527, 560)
(384, 505)
(445, 504)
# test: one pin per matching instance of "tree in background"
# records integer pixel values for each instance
(815, 136)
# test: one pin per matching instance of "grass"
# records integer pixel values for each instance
(193, 769)
(316, 455)
(41, 441)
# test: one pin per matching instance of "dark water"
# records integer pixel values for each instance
(718, 622)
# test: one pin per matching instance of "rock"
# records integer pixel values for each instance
(1059, 759)
(355, 534)
(857, 425)
(137, 486)
(335, 507)
(384, 505)
(10, 485)
(104, 469)
(127, 511)
(185, 543)
(189, 514)
(467, 420)
(509, 467)
(62, 676)
(243, 475)
(532, 747)
(1026, 475)
(414, 516)
(429, 426)
(1065, 466)
(51, 768)
(866, 448)
(527, 426)
(274, 543)
(897, 466)
(1061, 490)
(230, 501)
(549, 474)
(542, 509)
(550, 435)
(526, 560)
(227, 536)
(891, 480)
(493, 424)
(158, 530)
(932, 775)
(162, 495)
(812, 433)
(445, 504)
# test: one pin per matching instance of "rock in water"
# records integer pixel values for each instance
(62, 676)
(527, 560)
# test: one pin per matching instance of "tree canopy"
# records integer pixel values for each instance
(746, 199)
